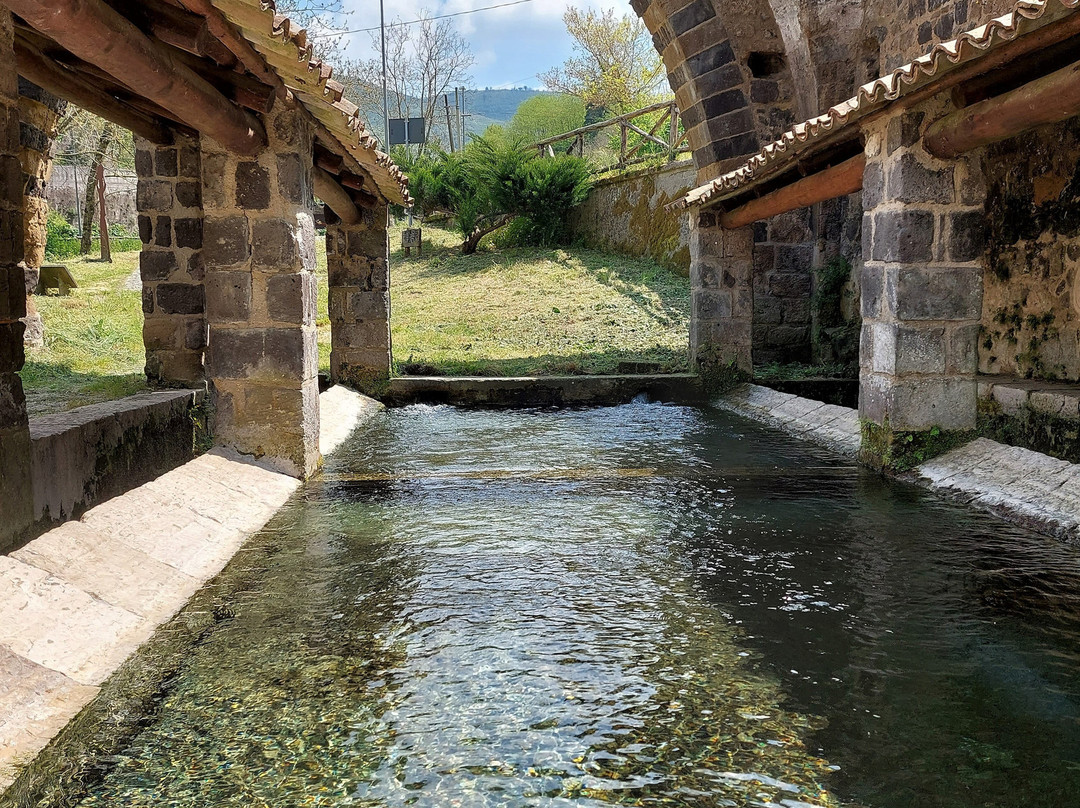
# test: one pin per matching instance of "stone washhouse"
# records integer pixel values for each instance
(237, 126)
(937, 154)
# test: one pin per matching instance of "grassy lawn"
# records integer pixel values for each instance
(93, 340)
(533, 312)
(499, 312)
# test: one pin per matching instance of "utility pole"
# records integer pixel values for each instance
(449, 128)
(385, 104)
(462, 117)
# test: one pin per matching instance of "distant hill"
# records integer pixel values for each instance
(497, 105)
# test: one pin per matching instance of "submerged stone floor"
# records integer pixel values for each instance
(1027, 487)
(77, 601)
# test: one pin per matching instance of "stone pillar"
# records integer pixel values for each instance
(921, 285)
(16, 493)
(169, 203)
(39, 113)
(259, 253)
(358, 266)
(783, 261)
(722, 297)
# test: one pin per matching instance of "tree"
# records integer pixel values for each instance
(616, 68)
(424, 62)
(544, 116)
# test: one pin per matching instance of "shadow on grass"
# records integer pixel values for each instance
(55, 387)
(603, 363)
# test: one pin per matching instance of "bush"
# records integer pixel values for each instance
(62, 239)
(490, 184)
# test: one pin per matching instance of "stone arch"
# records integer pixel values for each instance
(729, 68)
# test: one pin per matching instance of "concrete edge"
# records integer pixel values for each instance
(72, 615)
(1027, 488)
(543, 391)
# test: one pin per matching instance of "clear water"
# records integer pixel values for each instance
(643, 605)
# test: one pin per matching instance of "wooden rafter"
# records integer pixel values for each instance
(98, 34)
(68, 84)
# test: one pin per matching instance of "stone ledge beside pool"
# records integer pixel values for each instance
(78, 600)
(544, 391)
(1026, 487)
(828, 425)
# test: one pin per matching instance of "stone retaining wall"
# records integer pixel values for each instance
(89, 454)
(626, 215)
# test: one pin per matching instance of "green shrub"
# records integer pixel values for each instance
(62, 239)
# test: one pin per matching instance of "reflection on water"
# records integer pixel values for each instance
(642, 605)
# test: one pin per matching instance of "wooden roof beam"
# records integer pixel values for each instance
(829, 183)
(1050, 99)
(64, 83)
(336, 198)
(95, 32)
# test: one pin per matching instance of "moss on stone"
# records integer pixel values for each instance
(898, 451)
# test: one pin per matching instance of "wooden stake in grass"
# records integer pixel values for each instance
(103, 221)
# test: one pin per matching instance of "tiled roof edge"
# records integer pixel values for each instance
(874, 95)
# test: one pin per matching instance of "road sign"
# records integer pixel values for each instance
(407, 130)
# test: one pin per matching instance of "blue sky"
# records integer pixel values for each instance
(511, 45)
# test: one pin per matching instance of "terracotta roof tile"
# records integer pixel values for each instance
(1027, 15)
(285, 47)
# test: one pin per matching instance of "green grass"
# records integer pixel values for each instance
(93, 340)
(499, 312)
(533, 312)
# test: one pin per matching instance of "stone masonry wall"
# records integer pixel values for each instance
(722, 295)
(1031, 309)
(16, 493)
(783, 258)
(922, 279)
(627, 215)
(259, 258)
(358, 269)
(169, 201)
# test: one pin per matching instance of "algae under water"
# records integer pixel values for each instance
(641, 605)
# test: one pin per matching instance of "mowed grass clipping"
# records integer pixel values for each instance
(497, 313)
(520, 312)
(93, 339)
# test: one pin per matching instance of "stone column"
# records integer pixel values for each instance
(259, 253)
(16, 493)
(921, 285)
(358, 265)
(39, 113)
(722, 297)
(169, 203)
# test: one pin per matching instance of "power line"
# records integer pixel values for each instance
(439, 17)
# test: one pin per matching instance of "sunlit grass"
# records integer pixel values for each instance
(499, 312)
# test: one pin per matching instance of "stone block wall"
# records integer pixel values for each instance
(626, 215)
(169, 201)
(16, 495)
(913, 27)
(923, 238)
(358, 268)
(722, 296)
(1031, 309)
(783, 261)
(259, 260)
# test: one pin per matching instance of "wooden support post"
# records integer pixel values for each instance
(103, 219)
(334, 196)
(839, 180)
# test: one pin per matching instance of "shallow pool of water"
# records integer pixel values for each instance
(642, 605)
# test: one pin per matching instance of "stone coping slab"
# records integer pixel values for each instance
(828, 425)
(1049, 398)
(543, 391)
(78, 600)
(1026, 487)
